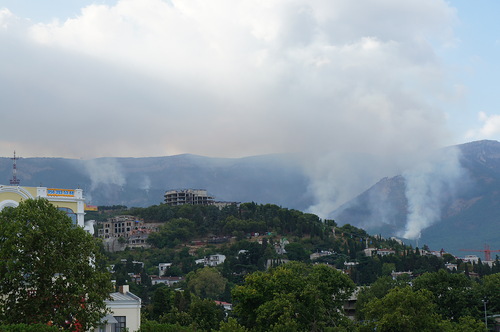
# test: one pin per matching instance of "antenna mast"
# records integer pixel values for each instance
(14, 181)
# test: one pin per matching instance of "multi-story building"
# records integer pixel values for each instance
(188, 196)
(120, 226)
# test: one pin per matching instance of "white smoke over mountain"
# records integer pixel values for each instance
(104, 171)
(145, 183)
(428, 186)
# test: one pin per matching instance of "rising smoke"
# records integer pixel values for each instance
(428, 186)
(104, 172)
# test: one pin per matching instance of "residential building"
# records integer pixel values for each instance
(227, 306)
(212, 260)
(169, 281)
(350, 304)
(471, 259)
(125, 309)
(162, 268)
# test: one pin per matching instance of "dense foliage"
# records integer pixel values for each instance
(256, 239)
(50, 270)
(305, 297)
(186, 222)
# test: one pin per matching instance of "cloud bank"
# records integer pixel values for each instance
(351, 87)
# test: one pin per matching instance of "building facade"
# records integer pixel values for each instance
(188, 196)
(70, 201)
(125, 312)
(120, 226)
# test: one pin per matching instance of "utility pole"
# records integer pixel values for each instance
(485, 316)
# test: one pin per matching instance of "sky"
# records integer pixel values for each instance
(357, 89)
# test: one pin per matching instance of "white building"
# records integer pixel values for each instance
(212, 260)
(471, 259)
(169, 281)
(125, 313)
(162, 268)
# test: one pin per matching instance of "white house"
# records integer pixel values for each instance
(214, 260)
(165, 280)
(162, 268)
(125, 313)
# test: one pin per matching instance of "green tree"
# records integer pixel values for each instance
(377, 290)
(232, 326)
(403, 309)
(296, 252)
(161, 302)
(489, 290)
(206, 314)
(50, 270)
(453, 293)
(207, 282)
(295, 295)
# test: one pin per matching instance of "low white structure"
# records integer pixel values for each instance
(212, 260)
(471, 259)
(169, 281)
(162, 268)
(125, 310)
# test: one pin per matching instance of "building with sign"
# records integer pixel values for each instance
(70, 201)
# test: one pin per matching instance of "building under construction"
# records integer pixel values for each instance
(188, 196)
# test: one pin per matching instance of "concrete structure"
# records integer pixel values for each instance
(382, 252)
(169, 281)
(70, 201)
(125, 310)
(212, 260)
(120, 226)
(188, 196)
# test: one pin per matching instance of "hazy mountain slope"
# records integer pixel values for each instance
(470, 216)
(142, 181)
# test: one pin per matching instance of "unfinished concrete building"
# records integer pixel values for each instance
(188, 196)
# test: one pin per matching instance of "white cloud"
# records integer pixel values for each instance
(490, 127)
(326, 78)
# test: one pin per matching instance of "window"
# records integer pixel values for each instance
(121, 325)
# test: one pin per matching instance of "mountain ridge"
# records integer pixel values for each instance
(468, 216)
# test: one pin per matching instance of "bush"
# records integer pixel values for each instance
(28, 328)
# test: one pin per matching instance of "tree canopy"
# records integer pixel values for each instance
(294, 296)
(51, 271)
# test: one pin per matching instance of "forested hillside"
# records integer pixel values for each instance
(249, 236)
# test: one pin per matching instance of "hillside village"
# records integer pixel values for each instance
(191, 244)
(353, 252)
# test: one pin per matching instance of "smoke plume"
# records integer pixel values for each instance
(428, 186)
(104, 171)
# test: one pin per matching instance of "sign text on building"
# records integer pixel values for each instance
(61, 192)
